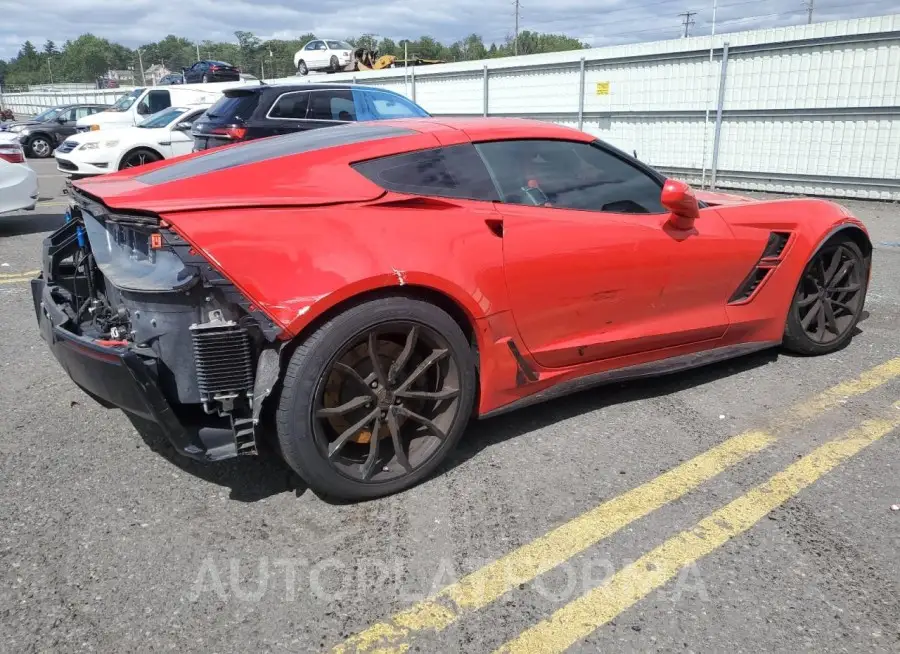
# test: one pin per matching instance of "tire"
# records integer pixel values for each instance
(302, 68)
(334, 65)
(205, 78)
(313, 380)
(39, 146)
(829, 299)
(139, 157)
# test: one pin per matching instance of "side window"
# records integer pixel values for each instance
(570, 175)
(321, 46)
(71, 114)
(385, 106)
(455, 171)
(82, 112)
(157, 101)
(290, 106)
(312, 45)
(335, 104)
(191, 117)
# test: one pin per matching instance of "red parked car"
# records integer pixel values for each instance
(357, 293)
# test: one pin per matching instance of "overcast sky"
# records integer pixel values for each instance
(599, 22)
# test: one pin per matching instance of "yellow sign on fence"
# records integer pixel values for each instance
(602, 88)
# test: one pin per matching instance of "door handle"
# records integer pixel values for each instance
(495, 225)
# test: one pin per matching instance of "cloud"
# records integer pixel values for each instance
(602, 22)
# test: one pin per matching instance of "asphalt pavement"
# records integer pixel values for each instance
(742, 507)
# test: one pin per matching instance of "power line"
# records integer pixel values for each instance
(687, 21)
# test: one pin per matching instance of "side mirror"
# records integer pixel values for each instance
(182, 127)
(679, 198)
(62, 120)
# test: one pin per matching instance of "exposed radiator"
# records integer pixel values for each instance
(223, 360)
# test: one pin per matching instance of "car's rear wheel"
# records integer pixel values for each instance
(205, 78)
(829, 299)
(334, 64)
(139, 157)
(376, 398)
(302, 69)
(39, 147)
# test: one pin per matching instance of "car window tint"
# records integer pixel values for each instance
(235, 105)
(283, 146)
(71, 114)
(570, 175)
(387, 105)
(290, 106)
(82, 112)
(456, 171)
(158, 100)
(336, 104)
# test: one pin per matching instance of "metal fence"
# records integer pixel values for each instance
(811, 109)
(34, 102)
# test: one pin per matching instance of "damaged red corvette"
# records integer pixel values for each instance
(354, 295)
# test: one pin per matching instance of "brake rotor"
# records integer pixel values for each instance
(340, 389)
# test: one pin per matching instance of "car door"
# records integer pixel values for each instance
(194, 73)
(593, 269)
(180, 140)
(313, 55)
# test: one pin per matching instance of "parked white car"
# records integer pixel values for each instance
(18, 182)
(134, 106)
(323, 54)
(163, 135)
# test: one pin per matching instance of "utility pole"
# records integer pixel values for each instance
(198, 51)
(50, 69)
(809, 10)
(141, 64)
(516, 42)
(687, 21)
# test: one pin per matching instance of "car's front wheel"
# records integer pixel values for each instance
(828, 302)
(334, 65)
(376, 398)
(39, 147)
(139, 157)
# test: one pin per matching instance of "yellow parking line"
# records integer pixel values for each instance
(580, 618)
(480, 588)
(18, 278)
(27, 273)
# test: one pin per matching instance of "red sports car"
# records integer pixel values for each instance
(358, 293)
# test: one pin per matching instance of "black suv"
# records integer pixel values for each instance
(40, 135)
(252, 112)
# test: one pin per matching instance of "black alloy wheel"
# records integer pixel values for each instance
(376, 398)
(138, 158)
(829, 299)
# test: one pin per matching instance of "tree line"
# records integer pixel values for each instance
(89, 57)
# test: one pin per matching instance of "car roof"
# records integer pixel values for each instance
(314, 86)
(477, 128)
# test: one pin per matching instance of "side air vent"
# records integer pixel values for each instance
(223, 360)
(775, 246)
(746, 289)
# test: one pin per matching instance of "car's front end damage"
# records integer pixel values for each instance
(141, 322)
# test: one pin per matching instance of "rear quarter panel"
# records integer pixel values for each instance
(297, 263)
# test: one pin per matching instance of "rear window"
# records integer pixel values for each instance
(233, 106)
(271, 148)
(456, 171)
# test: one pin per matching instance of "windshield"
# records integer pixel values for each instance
(162, 118)
(339, 45)
(125, 101)
(47, 114)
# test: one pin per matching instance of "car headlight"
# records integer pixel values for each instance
(97, 145)
(17, 128)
